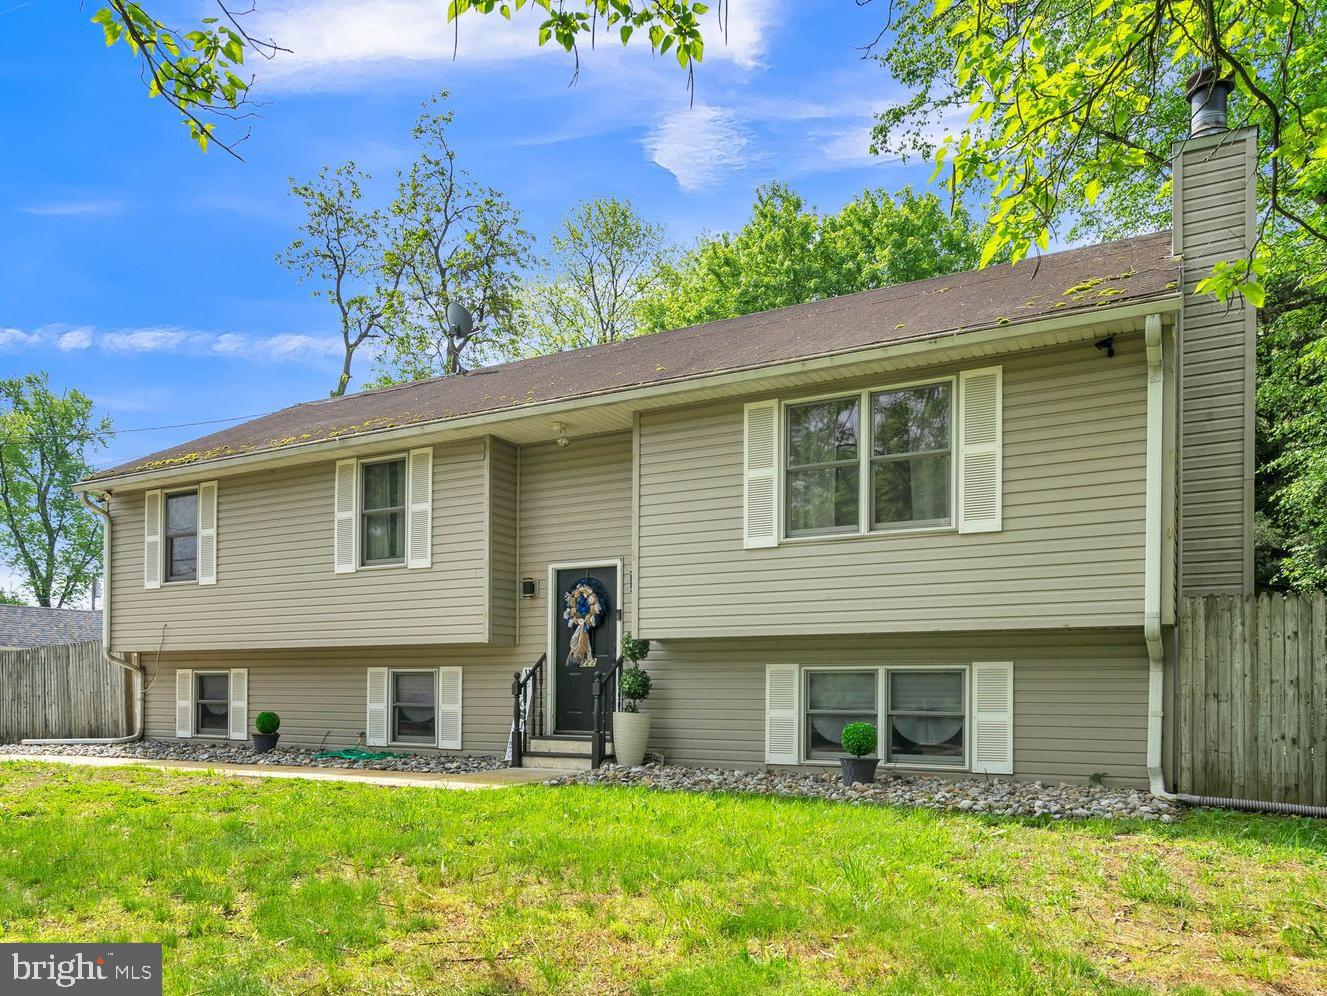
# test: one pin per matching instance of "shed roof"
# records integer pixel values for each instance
(1064, 283)
(34, 626)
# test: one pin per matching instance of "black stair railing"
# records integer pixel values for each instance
(527, 709)
(603, 711)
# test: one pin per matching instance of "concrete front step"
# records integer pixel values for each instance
(562, 753)
(564, 745)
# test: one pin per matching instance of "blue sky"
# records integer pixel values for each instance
(143, 272)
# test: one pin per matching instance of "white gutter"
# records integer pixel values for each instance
(666, 391)
(135, 671)
(1152, 580)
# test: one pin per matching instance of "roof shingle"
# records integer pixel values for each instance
(34, 626)
(1063, 283)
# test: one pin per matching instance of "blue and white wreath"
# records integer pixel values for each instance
(585, 603)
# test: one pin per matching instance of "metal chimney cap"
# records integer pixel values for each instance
(1208, 94)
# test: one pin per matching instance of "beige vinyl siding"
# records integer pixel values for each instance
(275, 584)
(1070, 552)
(1080, 698)
(1214, 218)
(502, 484)
(575, 504)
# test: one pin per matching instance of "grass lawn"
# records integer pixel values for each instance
(298, 887)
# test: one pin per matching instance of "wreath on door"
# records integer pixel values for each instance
(586, 602)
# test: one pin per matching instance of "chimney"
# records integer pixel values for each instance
(1213, 220)
(1208, 94)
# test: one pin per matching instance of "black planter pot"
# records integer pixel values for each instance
(859, 769)
(263, 742)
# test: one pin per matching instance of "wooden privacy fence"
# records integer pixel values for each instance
(1252, 686)
(63, 691)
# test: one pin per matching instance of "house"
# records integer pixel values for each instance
(962, 508)
(23, 626)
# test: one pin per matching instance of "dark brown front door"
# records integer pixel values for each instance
(574, 692)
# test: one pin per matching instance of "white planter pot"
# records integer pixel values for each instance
(631, 732)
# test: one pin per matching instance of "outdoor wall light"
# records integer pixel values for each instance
(528, 588)
(561, 429)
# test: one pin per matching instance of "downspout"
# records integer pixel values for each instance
(135, 670)
(1152, 580)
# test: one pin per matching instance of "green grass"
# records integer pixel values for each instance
(274, 886)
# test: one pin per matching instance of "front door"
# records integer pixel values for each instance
(574, 691)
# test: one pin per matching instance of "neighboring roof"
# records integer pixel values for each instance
(1063, 283)
(33, 626)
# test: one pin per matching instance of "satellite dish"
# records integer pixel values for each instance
(459, 321)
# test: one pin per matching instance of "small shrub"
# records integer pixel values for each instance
(267, 722)
(635, 686)
(859, 739)
(635, 650)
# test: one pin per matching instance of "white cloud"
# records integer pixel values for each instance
(332, 38)
(75, 208)
(17, 339)
(286, 347)
(143, 340)
(700, 145)
(80, 338)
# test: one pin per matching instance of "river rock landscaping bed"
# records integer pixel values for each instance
(997, 797)
(237, 753)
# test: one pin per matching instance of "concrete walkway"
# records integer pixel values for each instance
(501, 778)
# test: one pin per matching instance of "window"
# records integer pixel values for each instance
(414, 707)
(823, 489)
(212, 704)
(905, 454)
(910, 461)
(833, 700)
(182, 536)
(927, 716)
(382, 512)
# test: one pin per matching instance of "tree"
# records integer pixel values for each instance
(1071, 109)
(1291, 486)
(605, 261)
(11, 598)
(343, 249)
(46, 533)
(196, 71)
(788, 254)
(455, 241)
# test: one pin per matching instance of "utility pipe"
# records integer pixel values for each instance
(134, 669)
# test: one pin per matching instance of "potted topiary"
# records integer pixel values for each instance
(859, 739)
(267, 724)
(631, 727)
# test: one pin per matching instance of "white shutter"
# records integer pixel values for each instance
(980, 445)
(207, 532)
(993, 718)
(184, 703)
(419, 508)
(449, 707)
(239, 703)
(347, 505)
(152, 540)
(375, 730)
(760, 519)
(782, 685)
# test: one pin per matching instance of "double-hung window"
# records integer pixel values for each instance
(181, 535)
(382, 512)
(211, 703)
(920, 711)
(893, 469)
(414, 707)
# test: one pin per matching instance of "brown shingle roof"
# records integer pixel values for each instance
(1062, 283)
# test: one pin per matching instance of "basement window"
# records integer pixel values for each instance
(212, 704)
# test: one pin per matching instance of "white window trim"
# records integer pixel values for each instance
(882, 713)
(164, 552)
(392, 672)
(360, 464)
(864, 447)
(193, 702)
